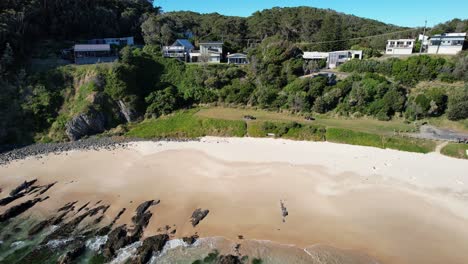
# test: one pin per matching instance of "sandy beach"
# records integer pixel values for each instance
(395, 207)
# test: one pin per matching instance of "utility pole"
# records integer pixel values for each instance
(424, 35)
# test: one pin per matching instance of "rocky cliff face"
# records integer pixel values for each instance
(128, 114)
(86, 124)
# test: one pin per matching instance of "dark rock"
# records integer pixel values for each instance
(22, 187)
(7, 200)
(117, 239)
(76, 251)
(229, 259)
(284, 211)
(68, 207)
(190, 240)
(19, 209)
(198, 215)
(70, 228)
(45, 188)
(128, 113)
(151, 244)
(86, 124)
(105, 230)
(82, 207)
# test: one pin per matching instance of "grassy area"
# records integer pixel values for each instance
(345, 136)
(193, 124)
(290, 130)
(185, 124)
(456, 150)
(364, 125)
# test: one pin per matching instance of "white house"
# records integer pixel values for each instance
(315, 55)
(211, 52)
(180, 49)
(448, 43)
(237, 58)
(336, 58)
(93, 53)
(113, 41)
(400, 47)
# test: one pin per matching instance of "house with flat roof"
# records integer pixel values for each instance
(123, 41)
(237, 58)
(336, 58)
(400, 46)
(315, 55)
(210, 51)
(180, 49)
(93, 53)
(447, 43)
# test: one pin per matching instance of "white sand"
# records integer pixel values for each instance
(397, 207)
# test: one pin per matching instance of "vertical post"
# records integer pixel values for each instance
(424, 35)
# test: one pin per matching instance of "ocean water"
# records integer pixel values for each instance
(176, 251)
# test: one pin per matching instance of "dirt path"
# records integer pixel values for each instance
(441, 146)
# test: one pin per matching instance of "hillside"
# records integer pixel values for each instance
(62, 103)
(296, 24)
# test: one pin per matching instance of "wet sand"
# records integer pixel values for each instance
(395, 207)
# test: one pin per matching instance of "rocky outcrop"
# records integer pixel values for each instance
(198, 215)
(127, 113)
(121, 236)
(150, 246)
(191, 239)
(86, 124)
(19, 209)
(229, 259)
(22, 187)
(75, 251)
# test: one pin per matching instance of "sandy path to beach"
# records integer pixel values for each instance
(397, 207)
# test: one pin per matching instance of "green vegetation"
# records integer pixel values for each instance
(378, 97)
(413, 69)
(456, 150)
(292, 130)
(372, 140)
(185, 124)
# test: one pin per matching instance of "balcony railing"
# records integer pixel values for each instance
(174, 55)
(399, 46)
(173, 48)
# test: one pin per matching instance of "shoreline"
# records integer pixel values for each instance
(344, 196)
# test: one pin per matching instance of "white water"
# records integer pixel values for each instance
(18, 244)
(58, 242)
(124, 254)
(95, 244)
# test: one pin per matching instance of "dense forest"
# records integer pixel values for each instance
(43, 105)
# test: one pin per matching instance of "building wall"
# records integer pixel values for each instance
(450, 50)
(399, 51)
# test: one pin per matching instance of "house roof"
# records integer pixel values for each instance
(183, 42)
(92, 47)
(401, 40)
(315, 55)
(449, 35)
(237, 55)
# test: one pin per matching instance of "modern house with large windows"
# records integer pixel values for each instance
(180, 49)
(237, 58)
(211, 52)
(400, 47)
(93, 53)
(448, 43)
(334, 58)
